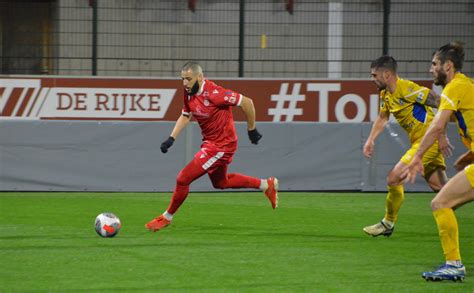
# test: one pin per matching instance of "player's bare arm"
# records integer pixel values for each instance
(445, 145)
(249, 110)
(436, 128)
(181, 123)
(377, 128)
(433, 99)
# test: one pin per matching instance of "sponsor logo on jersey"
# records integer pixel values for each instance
(231, 100)
(200, 112)
(419, 97)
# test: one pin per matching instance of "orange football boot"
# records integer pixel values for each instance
(157, 223)
(272, 191)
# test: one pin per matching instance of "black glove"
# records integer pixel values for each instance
(254, 136)
(167, 144)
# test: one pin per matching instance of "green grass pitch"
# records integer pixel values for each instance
(223, 242)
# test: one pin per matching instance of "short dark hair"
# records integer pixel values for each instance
(385, 61)
(193, 66)
(453, 52)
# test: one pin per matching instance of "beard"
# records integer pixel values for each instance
(194, 89)
(380, 86)
(440, 79)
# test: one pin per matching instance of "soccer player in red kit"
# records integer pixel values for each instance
(211, 105)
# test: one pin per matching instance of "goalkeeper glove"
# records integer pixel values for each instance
(254, 136)
(167, 144)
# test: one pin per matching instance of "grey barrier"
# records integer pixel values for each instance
(125, 156)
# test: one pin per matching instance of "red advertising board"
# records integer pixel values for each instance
(132, 99)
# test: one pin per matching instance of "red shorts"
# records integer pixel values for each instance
(211, 159)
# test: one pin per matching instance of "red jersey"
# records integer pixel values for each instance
(211, 107)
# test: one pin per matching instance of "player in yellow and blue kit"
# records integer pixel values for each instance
(410, 104)
(457, 98)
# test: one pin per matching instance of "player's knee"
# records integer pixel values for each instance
(435, 186)
(440, 203)
(393, 180)
(435, 205)
(221, 184)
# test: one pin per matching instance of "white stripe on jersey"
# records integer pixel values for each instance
(241, 97)
(212, 160)
(414, 93)
(448, 99)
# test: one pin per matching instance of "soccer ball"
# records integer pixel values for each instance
(107, 225)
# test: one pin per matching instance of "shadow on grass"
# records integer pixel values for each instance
(245, 231)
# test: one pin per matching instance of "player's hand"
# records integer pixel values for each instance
(167, 144)
(254, 136)
(445, 146)
(416, 166)
(368, 149)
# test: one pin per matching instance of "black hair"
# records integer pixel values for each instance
(385, 61)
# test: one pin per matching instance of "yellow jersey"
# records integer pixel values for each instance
(458, 96)
(407, 106)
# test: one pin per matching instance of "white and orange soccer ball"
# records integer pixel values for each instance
(107, 225)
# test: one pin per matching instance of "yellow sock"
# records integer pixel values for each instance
(393, 202)
(448, 233)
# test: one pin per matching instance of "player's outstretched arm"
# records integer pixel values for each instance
(181, 123)
(249, 110)
(433, 99)
(436, 128)
(377, 128)
(445, 145)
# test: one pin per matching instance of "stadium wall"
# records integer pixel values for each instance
(42, 155)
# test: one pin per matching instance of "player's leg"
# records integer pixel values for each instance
(396, 193)
(457, 191)
(192, 171)
(186, 176)
(435, 176)
(434, 167)
(393, 202)
(222, 180)
(436, 179)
